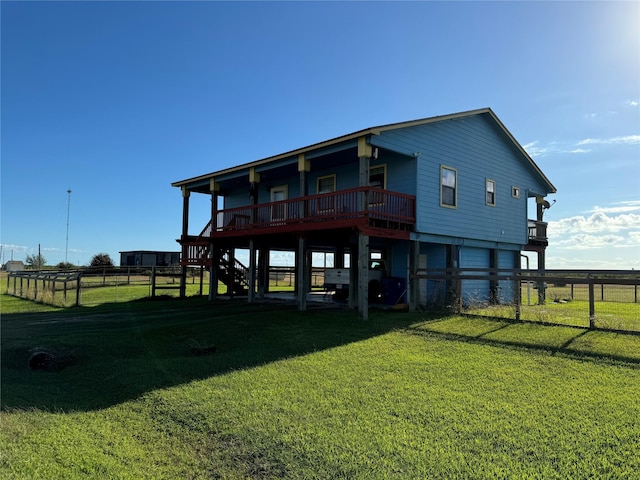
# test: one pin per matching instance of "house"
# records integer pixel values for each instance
(149, 258)
(14, 266)
(439, 192)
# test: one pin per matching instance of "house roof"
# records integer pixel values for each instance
(373, 131)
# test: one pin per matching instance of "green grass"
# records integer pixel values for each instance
(318, 394)
(608, 315)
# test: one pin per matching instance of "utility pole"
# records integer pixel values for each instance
(66, 250)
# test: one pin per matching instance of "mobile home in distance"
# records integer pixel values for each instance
(149, 258)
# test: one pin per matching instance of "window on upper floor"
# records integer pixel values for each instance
(448, 187)
(490, 192)
(378, 179)
(327, 184)
(378, 176)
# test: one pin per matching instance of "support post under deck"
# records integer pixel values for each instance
(185, 248)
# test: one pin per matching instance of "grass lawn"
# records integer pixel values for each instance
(318, 394)
(608, 315)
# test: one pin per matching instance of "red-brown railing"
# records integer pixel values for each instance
(346, 205)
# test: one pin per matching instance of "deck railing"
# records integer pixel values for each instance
(355, 204)
(537, 231)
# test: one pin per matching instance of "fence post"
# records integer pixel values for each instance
(517, 289)
(592, 308)
(153, 282)
(458, 299)
(78, 290)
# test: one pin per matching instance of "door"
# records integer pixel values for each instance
(279, 210)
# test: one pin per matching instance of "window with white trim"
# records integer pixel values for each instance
(490, 192)
(377, 179)
(378, 176)
(279, 210)
(448, 187)
(326, 184)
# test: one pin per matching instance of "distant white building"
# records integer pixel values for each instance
(14, 266)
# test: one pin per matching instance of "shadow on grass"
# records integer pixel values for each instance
(121, 351)
(568, 340)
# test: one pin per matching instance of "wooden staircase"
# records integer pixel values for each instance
(232, 273)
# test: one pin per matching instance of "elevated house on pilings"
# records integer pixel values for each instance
(443, 192)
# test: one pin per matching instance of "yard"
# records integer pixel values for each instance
(318, 394)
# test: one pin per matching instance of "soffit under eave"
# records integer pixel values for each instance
(311, 152)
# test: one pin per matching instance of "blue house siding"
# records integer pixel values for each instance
(506, 259)
(400, 172)
(475, 291)
(398, 255)
(436, 290)
(478, 151)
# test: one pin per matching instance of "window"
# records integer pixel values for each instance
(491, 192)
(377, 179)
(515, 192)
(378, 176)
(327, 184)
(448, 187)
(278, 210)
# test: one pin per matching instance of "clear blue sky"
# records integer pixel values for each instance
(116, 100)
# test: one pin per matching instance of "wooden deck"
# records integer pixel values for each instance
(372, 211)
(363, 208)
(537, 236)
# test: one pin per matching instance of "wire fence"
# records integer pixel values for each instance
(92, 286)
(95, 286)
(592, 299)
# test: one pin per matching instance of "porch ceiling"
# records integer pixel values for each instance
(271, 174)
